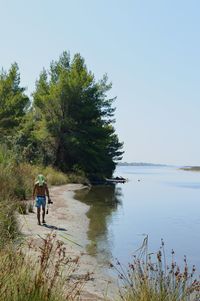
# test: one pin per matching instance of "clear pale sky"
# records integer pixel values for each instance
(150, 50)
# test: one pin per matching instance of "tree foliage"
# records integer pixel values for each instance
(77, 117)
(13, 101)
(69, 123)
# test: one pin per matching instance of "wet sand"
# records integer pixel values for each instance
(67, 218)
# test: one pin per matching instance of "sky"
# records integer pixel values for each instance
(150, 50)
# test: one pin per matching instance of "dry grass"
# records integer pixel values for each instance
(17, 180)
(8, 222)
(47, 276)
(55, 177)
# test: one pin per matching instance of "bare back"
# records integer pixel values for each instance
(41, 190)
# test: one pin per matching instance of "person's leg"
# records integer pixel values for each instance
(38, 215)
(43, 214)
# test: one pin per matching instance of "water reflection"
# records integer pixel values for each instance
(165, 203)
(103, 201)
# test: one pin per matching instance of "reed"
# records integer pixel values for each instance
(150, 278)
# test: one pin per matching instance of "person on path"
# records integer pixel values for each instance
(40, 191)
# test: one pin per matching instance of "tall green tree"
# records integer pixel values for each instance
(78, 116)
(13, 101)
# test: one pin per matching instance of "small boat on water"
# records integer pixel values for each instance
(117, 180)
(107, 181)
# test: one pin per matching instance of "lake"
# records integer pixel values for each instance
(163, 202)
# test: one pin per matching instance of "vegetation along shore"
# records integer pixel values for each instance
(66, 132)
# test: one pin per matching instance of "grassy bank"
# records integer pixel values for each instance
(16, 180)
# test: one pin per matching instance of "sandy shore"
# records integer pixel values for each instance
(67, 217)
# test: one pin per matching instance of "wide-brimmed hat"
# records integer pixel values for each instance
(40, 180)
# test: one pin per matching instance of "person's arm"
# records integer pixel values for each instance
(47, 191)
(34, 189)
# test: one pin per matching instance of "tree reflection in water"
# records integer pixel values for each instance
(103, 201)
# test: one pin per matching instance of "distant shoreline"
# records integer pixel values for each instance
(140, 164)
(191, 168)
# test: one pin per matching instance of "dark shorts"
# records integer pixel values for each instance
(40, 201)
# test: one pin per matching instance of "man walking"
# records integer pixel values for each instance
(40, 191)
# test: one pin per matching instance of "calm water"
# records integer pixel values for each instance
(163, 202)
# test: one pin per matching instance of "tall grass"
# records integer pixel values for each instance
(39, 278)
(8, 223)
(17, 180)
(22, 277)
(151, 278)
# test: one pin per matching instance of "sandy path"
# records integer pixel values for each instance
(67, 217)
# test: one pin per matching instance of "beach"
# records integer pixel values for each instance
(67, 218)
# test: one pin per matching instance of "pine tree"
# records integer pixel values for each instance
(13, 101)
(78, 117)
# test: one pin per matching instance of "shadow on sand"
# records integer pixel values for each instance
(54, 227)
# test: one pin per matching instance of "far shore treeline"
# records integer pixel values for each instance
(67, 124)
